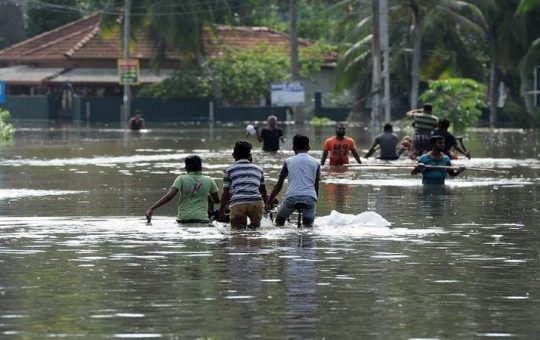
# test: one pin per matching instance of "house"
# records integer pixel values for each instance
(78, 58)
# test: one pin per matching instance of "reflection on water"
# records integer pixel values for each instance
(388, 258)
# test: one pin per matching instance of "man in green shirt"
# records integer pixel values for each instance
(194, 188)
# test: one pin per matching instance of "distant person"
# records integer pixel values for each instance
(434, 164)
(194, 188)
(244, 189)
(339, 147)
(303, 173)
(450, 142)
(423, 122)
(136, 122)
(387, 141)
(270, 135)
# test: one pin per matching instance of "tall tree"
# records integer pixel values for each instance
(11, 23)
(411, 24)
(44, 16)
(507, 40)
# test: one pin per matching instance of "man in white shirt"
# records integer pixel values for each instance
(303, 173)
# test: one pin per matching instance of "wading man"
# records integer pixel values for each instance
(434, 165)
(339, 147)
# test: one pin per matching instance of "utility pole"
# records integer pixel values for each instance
(127, 88)
(295, 65)
(385, 49)
(376, 55)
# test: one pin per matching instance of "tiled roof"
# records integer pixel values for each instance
(24, 74)
(81, 40)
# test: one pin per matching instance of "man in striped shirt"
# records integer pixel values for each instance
(423, 122)
(244, 189)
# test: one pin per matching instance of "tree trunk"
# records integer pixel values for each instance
(376, 57)
(295, 65)
(493, 92)
(416, 59)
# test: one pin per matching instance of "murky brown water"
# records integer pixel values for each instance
(78, 260)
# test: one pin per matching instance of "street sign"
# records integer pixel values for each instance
(2, 92)
(284, 94)
(128, 71)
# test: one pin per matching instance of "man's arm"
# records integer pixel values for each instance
(372, 149)
(259, 134)
(417, 169)
(455, 172)
(324, 155)
(163, 200)
(356, 156)
(214, 196)
(224, 200)
(274, 193)
(412, 113)
(277, 188)
(317, 180)
(264, 194)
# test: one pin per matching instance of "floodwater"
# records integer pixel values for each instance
(387, 259)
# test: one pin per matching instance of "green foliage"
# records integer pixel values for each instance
(459, 100)
(187, 82)
(244, 76)
(6, 130)
(317, 18)
(320, 121)
(240, 77)
(45, 17)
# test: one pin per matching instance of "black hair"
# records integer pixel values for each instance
(300, 142)
(242, 150)
(433, 139)
(193, 163)
(428, 107)
(388, 127)
(444, 123)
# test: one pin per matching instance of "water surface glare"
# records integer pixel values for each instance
(387, 258)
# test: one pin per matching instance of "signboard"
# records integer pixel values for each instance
(2, 92)
(128, 71)
(284, 94)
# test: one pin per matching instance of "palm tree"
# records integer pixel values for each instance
(177, 25)
(530, 59)
(507, 40)
(411, 22)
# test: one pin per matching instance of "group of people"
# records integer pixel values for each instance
(244, 195)
(244, 189)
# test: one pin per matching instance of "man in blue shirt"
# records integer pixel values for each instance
(434, 165)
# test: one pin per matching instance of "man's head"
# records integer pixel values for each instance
(300, 143)
(193, 163)
(437, 143)
(242, 150)
(428, 108)
(388, 127)
(271, 121)
(138, 113)
(340, 130)
(444, 124)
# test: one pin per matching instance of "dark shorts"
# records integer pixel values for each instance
(421, 144)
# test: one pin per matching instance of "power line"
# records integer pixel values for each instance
(118, 11)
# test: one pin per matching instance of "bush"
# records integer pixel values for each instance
(457, 99)
(6, 130)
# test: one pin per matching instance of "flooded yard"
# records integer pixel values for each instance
(77, 258)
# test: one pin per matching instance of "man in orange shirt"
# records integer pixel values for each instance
(339, 147)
